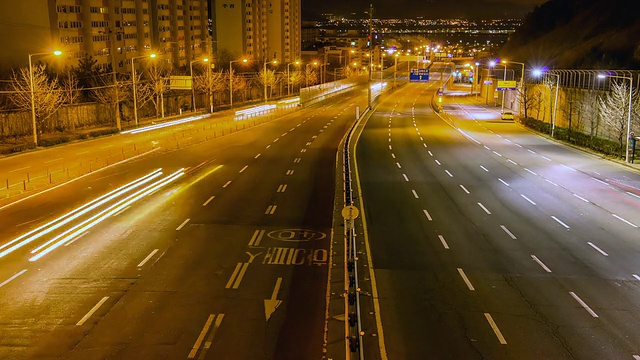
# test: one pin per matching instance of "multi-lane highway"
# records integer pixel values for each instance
(217, 250)
(489, 241)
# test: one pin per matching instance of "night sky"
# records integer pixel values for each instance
(429, 9)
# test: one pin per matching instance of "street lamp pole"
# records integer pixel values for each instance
(231, 80)
(555, 105)
(297, 62)
(133, 81)
(193, 90)
(33, 98)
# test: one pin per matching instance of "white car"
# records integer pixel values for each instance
(507, 115)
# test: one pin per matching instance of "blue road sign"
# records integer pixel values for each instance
(419, 75)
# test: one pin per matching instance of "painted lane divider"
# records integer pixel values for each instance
(256, 238)
(466, 279)
(560, 222)
(182, 225)
(208, 201)
(13, 277)
(271, 209)
(529, 200)
(205, 329)
(597, 248)
(508, 232)
(141, 264)
(426, 213)
(282, 188)
(236, 276)
(92, 311)
(542, 265)
(484, 208)
(227, 184)
(495, 328)
(583, 304)
(444, 243)
(464, 189)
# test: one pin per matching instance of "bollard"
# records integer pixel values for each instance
(90, 170)
(7, 184)
(50, 179)
(134, 147)
(28, 178)
(24, 185)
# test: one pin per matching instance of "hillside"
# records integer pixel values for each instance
(587, 34)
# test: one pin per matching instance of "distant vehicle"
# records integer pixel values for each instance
(508, 115)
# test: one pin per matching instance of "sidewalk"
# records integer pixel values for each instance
(460, 92)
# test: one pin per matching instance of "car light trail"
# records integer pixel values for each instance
(164, 125)
(72, 215)
(98, 218)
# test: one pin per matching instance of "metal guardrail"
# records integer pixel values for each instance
(353, 326)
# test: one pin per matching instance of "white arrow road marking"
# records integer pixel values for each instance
(270, 305)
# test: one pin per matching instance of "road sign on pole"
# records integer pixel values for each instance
(506, 85)
(419, 75)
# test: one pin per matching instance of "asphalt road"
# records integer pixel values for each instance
(226, 260)
(491, 242)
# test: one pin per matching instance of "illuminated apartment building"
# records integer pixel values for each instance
(111, 31)
(259, 29)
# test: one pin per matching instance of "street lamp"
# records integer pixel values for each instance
(264, 72)
(601, 76)
(231, 80)
(395, 68)
(555, 105)
(306, 72)
(193, 90)
(133, 77)
(297, 62)
(32, 88)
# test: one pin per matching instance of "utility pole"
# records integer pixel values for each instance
(370, 53)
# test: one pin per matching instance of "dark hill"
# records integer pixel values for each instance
(585, 34)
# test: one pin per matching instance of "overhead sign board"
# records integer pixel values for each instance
(506, 85)
(419, 75)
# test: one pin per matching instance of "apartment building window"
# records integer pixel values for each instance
(128, 10)
(129, 23)
(68, 8)
(99, 10)
(69, 24)
(130, 36)
(71, 40)
(96, 24)
(97, 38)
(164, 7)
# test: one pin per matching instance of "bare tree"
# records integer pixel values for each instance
(588, 108)
(311, 76)
(266, 79)
(110, 94)
(210, 83)
(240, 83)
(47, 97)
(613, 110)
(154, 88)
(71, 87)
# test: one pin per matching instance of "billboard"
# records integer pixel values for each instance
(180, 82)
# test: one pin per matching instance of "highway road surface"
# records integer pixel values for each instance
(491, 242)
(218, 250)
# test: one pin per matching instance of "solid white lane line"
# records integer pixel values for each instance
(634, 195)
(550, 182)
(203, 333)
(227, 184)
(484, 168)
(405, 177)
(244, 168)
(256, 238)
(625, 221)
(542, 265)
(141, 264)
(600, 181)
(399, 166)
(504, 182)
(444, 243)
(257, 156)
(634, 275)
(93, 310)
(415, 194)
(496, 331)
(182, 225)
(208, 201)
(430, 154)
(54, 160)
(511, 161)
(13, 277)
(581, 198)
(438, 162)
(544, 157)
(508, 232)
(597, 248)
(530, 171)
(560, 222)
(465, 189)
(448, 173)
(529, 200)
(466, 279)
(531, 151)
(426, 213)
(583, 304)
(497, 153)
(484, 208)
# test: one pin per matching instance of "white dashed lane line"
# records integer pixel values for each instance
(208, 201)
(182, 225)
(448, 173)
(583, 304)
(530, 171)
(508, 232)
(415, 194)
(560, 222)
(257, 156)
(484, 168)
(581, 198)
(542, 265)
(625, 221)
(464, 189)
(597, 248)
(438, 162)
(495, 329)
(399, 166)
(426, 213)
(405, 177)
(529, 200)
(444, 243)
(484, 208)
(466, 279)
(504, 182)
